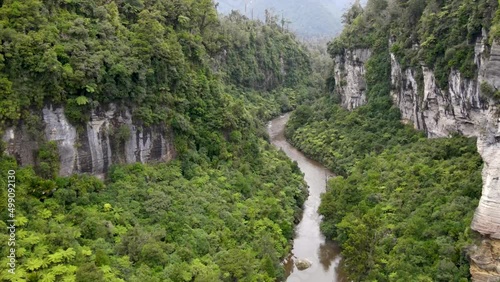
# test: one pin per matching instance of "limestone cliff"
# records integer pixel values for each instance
(461, 108)
(111, 136)
(349, 74)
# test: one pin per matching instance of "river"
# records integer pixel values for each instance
(309, 243)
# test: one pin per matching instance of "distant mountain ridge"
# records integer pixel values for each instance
(308, 18)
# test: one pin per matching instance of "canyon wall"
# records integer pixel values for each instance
(349, 74)
(111, 136)
(461, 108)
(464, 109)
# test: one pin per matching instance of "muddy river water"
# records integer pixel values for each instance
(309, 243)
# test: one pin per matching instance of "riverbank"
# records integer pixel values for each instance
(309, 243)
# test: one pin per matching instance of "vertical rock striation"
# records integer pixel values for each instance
(110, 137)
(461, 108)
(349, 74)
(58, 129)
(440, 112)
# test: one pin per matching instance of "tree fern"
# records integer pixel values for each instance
(82, 100)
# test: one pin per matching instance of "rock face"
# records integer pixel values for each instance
(349, 74)
(111, 136)
(440, 112)
(485, 259)
(461, 108)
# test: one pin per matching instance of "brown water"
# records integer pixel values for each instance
(309, 243)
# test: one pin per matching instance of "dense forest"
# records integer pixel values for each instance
(444, 31)
(187, 220)
(402, 204)
(223, 210)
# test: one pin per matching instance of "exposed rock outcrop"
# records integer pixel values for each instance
(302, 264)
(440, 112)
(485, 259)
(462, 108)
(349, 74)
(111, 136)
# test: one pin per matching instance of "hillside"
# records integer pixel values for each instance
(409, 208)
(135, 144)
(308, 18)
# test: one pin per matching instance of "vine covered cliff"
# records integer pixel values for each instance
(445, 75)
(432, 66)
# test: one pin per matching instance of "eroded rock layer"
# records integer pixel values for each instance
(110, 137)
(349, 74)
(461, 108)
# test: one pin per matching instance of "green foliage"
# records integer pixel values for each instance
(351, 15)
(489, 91)
(362, 27)
(439, 34)
(89, 272)
(122, 133)
(9, 103)
(34, 126)
(495, 28)
(402, 204)
(339, 138)
(81, 100)
(186, 220)
(262, 56)
(407, 211)
(81, 54)
(77, 113)
(48, 160)
(224, 210)
(447, 33)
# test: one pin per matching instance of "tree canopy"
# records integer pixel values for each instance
(402, 204)
(224, 210)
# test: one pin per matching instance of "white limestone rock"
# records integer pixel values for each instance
(349, 74)
(94, 148)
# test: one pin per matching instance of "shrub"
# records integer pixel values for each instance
(48, 160)
(489, 91)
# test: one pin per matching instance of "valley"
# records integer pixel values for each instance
(175, 140)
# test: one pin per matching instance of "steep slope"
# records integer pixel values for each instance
(448, 92)
(98, 88)
(94, 79)
(436, 61)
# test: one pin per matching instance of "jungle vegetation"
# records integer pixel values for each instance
(223, 210)
(402, 204)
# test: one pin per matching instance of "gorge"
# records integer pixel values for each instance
(461, 108)
(137, 133)
(440, 83)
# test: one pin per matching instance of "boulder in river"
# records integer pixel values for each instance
(302, 264)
